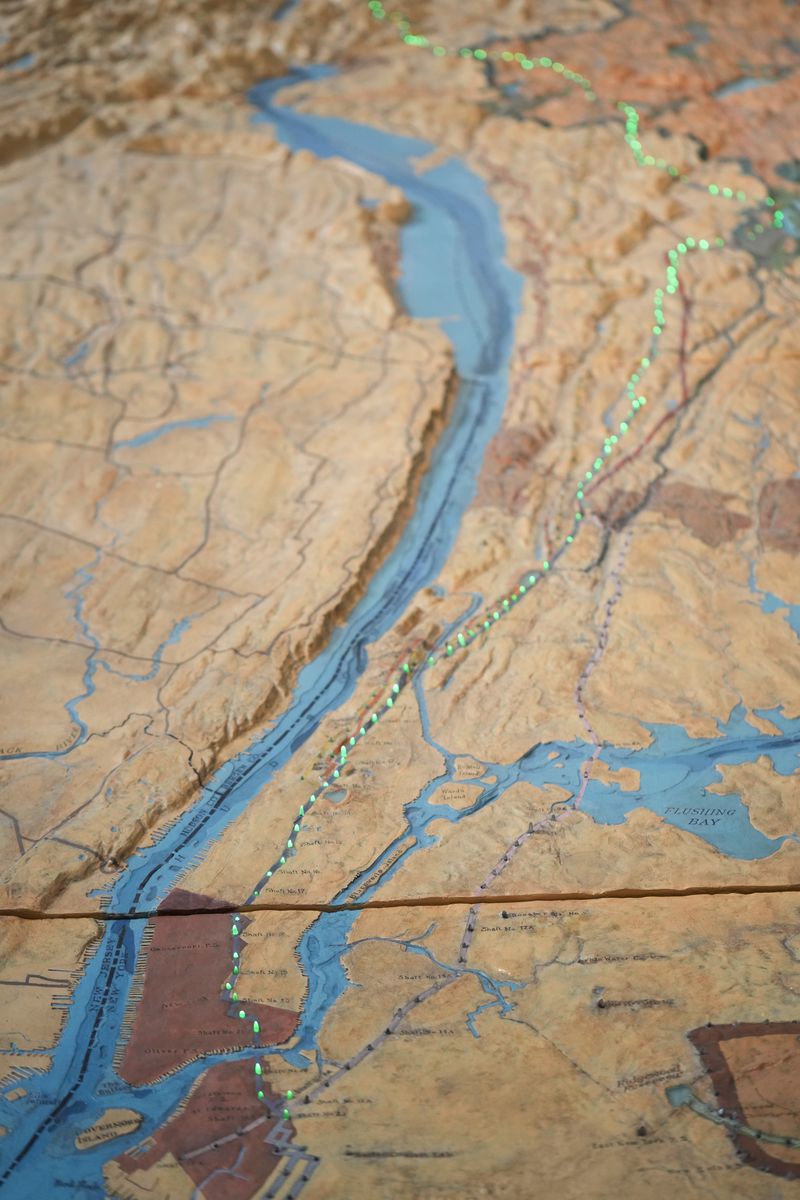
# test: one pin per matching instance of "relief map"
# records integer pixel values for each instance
(399, 527)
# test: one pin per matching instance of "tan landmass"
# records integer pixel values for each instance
(588, 1008)
(40, 962)
(216, 419)
(113, 1124)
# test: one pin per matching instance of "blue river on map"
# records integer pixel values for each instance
(452, 269)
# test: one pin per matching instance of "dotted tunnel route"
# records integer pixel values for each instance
(446, 649)
(594, 474)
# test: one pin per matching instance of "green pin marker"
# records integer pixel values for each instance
(258, 1068)
(256, 1027)
(260, 1095)
(242, 1014)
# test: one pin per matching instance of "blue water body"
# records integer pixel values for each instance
(77, 356)
(457, 226)
(20, 64)
(143, 439)
(748, 83)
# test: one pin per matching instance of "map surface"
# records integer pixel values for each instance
(400, 605)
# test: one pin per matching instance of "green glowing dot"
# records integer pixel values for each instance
(690, 243)
(598, 462)
(531, 579)
(496, 616)
(727, 193)
(289, 844)
(461, 640)
(336, 773)
(481, 54)
(465, 52)
(362, 731)
(505, 604)
(713, 189)
(570, 537)
(260, 1095)
(613, 439)
(312, 797)
(623, 426)
(396, 689)
(286, 1114)
(235, 970)
(486, 624)
(325, 783)
(389, 702)
(522, 588)
(449, 648)
(545, 565)
(546, 62)
(657, 330)
(256, 1027)
(283, 860)
(681, 248)
(578, 516)
(269, 874)
(234, 930)
(740, 195)
(234, 996)
(431, 660)
(242, 1014)
(258, 1068)
(374, 718)
(290, 1095)
(236, 954)
(228, 987)
(719, 241)
(406, 667)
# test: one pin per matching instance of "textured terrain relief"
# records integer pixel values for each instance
(399, 615)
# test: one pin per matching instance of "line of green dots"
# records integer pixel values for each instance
(480, 54)
(610, 442)
(637, 402)
(528, 64)
(729, 193)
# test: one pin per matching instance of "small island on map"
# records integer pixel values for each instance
(400, 600)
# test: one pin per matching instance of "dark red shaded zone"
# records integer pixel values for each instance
(181, 1015)
(779, 515)
(709, 1041)
(222, 1103)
